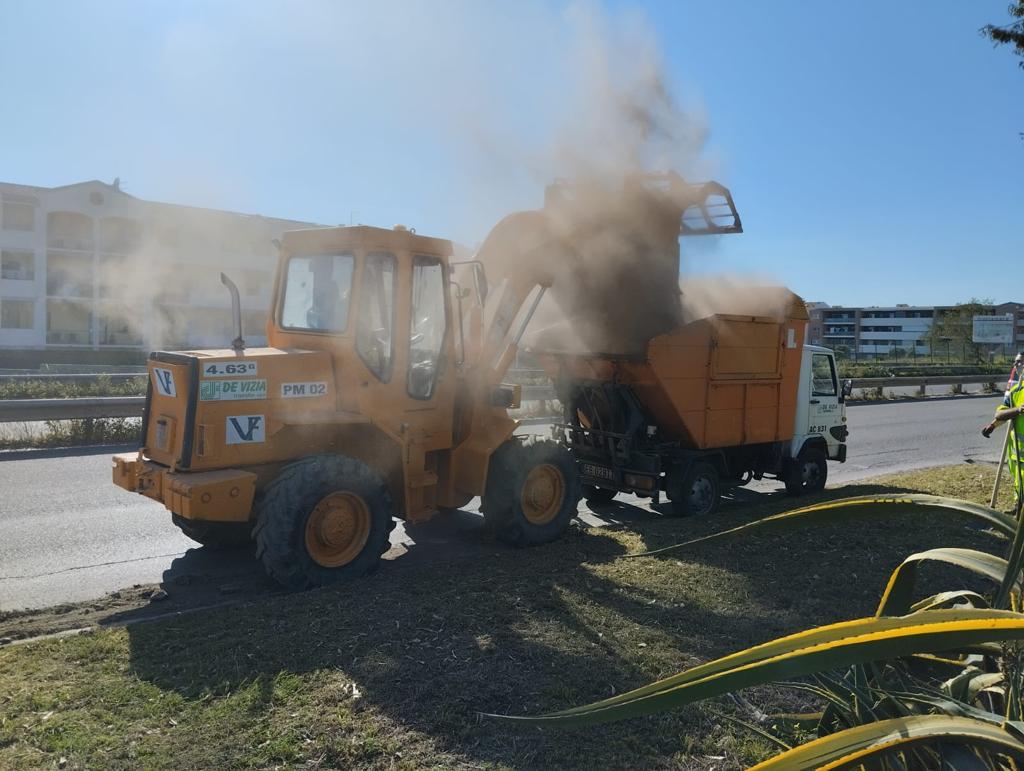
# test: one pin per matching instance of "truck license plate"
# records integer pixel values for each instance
(598, 472)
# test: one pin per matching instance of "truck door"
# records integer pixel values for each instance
(823, 412)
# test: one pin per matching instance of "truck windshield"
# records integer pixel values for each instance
(317, 290)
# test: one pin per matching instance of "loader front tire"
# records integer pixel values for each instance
(215, 535)
(532, 492)
(324, 519)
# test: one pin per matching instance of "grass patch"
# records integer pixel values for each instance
(70, 433)
(390, 671)
(56, 389)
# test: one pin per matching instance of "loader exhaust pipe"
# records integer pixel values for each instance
(236, 313)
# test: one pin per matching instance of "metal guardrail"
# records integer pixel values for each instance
(19, 410)
(928, 380)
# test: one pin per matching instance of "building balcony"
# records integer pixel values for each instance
(67, 336)
(69, 244)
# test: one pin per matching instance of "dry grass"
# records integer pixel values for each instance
(391, 671)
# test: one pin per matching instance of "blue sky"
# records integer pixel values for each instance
(873, 148)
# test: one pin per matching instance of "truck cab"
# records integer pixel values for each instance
(820, 431)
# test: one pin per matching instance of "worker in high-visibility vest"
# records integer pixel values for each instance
(1012, 408)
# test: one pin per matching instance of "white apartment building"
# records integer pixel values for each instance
(880, 330)
(87, 266)
(902, 327)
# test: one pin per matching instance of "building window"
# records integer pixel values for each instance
(69, 230)
(68, 322)
(17, 266)
(68, 275)
(18, 216)
(120, 235)
(17, 314)
(119, 325)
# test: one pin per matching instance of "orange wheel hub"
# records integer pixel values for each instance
(543, 494)
(337, 529)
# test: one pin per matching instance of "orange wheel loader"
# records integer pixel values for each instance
(379, 395)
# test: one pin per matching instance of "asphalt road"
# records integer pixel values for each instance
(67, 534)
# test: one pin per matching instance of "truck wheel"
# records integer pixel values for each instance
(532, 492)
(808, 473)
(695, 493)
(598, 495)
(324, 518)
(215, 535)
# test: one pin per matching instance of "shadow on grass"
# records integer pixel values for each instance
(519, 632)
(430, 645)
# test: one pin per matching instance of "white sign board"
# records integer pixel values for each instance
(228, 368)
(993, 329)
(303, 390)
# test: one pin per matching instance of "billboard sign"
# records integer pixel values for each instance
(993, 329)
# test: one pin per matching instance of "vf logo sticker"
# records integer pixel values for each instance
(246, 429)
(164, 380)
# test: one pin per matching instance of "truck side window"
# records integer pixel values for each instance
(823, 375)
(427, 330)
(375, 342)
(316, 292)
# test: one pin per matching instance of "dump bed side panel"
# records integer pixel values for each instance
(727, 380)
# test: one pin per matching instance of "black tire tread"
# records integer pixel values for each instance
(509, 466)
(794, 482)
(677, 489)
(273, 531)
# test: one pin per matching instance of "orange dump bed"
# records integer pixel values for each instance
(720, 381)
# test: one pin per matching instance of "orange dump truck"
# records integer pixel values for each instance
(720, 400)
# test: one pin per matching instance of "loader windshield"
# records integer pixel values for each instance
(317, 291)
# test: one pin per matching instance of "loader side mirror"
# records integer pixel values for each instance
(847, 388)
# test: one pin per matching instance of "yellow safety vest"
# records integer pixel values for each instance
(1015, 398)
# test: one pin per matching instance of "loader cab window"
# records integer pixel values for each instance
(317, 291)
(375, 341)
(426, 334)
(823, 375)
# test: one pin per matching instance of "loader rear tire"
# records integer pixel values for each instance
(215, 535)
(324, 519)
(697, 492)
(532, 492)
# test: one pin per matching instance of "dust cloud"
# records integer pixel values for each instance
(607, 240)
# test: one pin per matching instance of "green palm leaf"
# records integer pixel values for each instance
(846, 509)
(897, 598)
(862, 743)
(797, 655)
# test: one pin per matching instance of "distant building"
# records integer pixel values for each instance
(884, 329)
(88, 267)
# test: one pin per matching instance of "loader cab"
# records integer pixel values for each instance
(378, 301)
